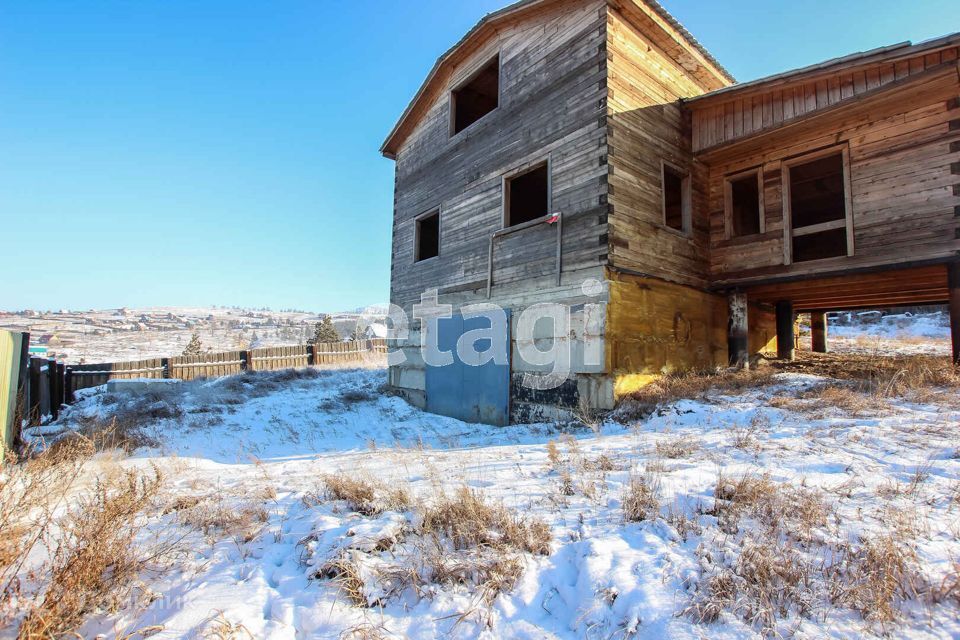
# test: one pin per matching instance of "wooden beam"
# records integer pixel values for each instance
(818, 331)
(785, 336)
(738, 345)
(924, 285)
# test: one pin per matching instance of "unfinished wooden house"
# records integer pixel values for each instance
(565, 143)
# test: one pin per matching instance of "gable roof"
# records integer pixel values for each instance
(887, 54)
(487, 26)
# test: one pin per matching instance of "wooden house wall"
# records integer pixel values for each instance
(741, 116)
(647, 126)
(552, 71)
(904, 181)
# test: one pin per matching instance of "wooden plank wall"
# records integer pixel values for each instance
(646, 127)
(553, 67)
(905, 192)
(210, 365)
(743, 116)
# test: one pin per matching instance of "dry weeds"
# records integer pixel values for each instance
(468, 520)
(95, 558)
(640, 499)
(366, 496)
(679, 447)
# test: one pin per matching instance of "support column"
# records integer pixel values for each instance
(785, 340)
(738, 345)
(818, 331)
(953, 284)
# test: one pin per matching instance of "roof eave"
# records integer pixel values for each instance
(862, 57)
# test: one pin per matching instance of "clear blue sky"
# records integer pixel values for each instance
(181, 152)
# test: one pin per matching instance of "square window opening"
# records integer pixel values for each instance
(477, 97)
(745, 205)
(528, 196)
(428, 236)
(816, 191)
(675, 199)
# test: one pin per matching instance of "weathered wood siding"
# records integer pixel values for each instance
(742, 116)
(551, 108)
(647, 127)
(904, 163)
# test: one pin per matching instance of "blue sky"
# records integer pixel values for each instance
(180, 152)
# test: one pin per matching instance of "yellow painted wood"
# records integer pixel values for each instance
(656, 327)
(10, 350)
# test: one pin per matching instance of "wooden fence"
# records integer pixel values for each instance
(54, 384)
(13, 363)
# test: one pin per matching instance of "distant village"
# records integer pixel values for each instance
(78, 337)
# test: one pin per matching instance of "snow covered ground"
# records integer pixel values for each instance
(873, 332)
(771, 510)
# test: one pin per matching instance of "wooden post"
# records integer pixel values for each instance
(34, 408)
(818, 331)
(23, 389)
(68, 390)
(953, 284)
(54, 378)
(738, 346)
(785, 339)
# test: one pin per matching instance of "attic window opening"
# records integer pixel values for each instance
(428, 236)
(676, 198)
(476, 97)
(819, 220)
(527, 196)
(744, 204)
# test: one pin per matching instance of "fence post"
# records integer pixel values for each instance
(51, 385)
(246, 360)
(34, 408)
(311, 355)
(68, 391)
(61, 385)
(20, 411)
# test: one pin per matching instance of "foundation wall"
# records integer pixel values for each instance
(656, 327)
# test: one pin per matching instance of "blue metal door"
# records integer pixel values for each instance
(472, 393)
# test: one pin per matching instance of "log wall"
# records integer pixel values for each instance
(904, 166)
(647, 127)
(551, 108)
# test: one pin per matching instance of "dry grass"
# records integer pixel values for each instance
(344, 570)
(846, 397)
(792, 564)
(32, 492)
(468, 520)
(767, 581)
(776, 506)
(881, 376)
(680, 447)
(870, 379)
(458, 539)
(95, 558)
(640, 500)
(875, 577)
(220, 628)
(688, 385)
(242, 522)
(364, 495)
(578, 473)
